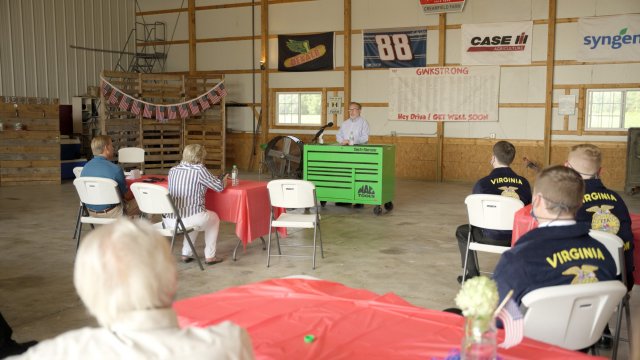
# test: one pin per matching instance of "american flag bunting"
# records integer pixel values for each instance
(193, 106)
(160, 113)
(113, 99)
(184, 112)
(204, 103)
(105, 89)
(172, 113)
(135, 107)
(148, 111)
(124, 103)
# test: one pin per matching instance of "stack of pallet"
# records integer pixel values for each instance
(29, 141)
(163, 141)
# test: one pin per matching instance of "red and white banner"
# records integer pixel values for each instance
(441, 6)
(609, 38)
(456, 93)
(497, 43)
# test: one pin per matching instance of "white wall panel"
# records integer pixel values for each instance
(539, 43)
(178, 58)
(35, 55)
(489, 11)
(308, 79)
(218, 23)
(151, 5)
(304, 17)
(376, 14)
(522, 84)
(176, 24)
(224, 55)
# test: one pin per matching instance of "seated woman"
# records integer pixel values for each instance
(188, 183)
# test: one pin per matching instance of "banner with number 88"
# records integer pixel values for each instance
(396, 48)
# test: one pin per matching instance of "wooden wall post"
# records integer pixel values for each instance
(347, 56)
(264, 73)
(548, 108)
(442, 39)
(192, 37)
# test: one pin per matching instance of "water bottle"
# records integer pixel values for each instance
(234, 176)
(351, 138)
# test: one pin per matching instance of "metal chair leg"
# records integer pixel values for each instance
(235, 249)
(320, 235)
(193, 249)
(315, 228)
(466, 257)
(269, 245)
(264, 244)
(278, 242)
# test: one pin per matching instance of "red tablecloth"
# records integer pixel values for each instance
(347, 323)
(246, 204)
(523, 222)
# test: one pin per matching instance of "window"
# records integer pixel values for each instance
(613, 109)
(299, 108)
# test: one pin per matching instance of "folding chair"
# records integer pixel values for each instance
(294, 194)
(155, 199)
(615, 245)
(571, 316)
(493, 212)
(94, 191)
(77, 171)
(131, 155)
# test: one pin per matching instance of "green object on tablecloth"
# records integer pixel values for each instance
(309, 338)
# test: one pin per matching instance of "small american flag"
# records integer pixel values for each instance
(221, 90)
(148, 111)
(184, 112)
(204, 103)
(113, 99)
(513, 322)
(135, 108)
(172, 113)
(193, 106)
(124, 103)
(105, 89)
(213, 97)
(160, 113)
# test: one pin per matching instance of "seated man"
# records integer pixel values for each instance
(501, 181)
(101, 166)
(602, 208)
(126, 277)
(188, 184)
(560, 251)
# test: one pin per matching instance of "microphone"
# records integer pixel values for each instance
(315, 138)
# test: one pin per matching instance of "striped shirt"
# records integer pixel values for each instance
(187, 185)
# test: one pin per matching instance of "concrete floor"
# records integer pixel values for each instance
(410, 251)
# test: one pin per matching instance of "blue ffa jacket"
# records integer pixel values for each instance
(605, 210)
(553, 255)
(505, 182)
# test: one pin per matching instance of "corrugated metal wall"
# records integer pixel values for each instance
(36, 59)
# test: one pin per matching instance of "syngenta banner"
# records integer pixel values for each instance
(609, 38)
(496, 44)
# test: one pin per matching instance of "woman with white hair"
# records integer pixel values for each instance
(126, 277)
(188, 183)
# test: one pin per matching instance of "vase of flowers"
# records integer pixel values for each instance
(478, 299)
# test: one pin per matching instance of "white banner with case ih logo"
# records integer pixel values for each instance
(609, 38)
(496, 43)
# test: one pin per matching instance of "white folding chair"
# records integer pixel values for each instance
(493, 212)
(294, 194)
(94, 191)
(131, 155)
(615, 245)
(571, 316)
(77, 171)
(155, 199)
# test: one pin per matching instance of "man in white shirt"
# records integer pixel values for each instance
(126, 277)
(354, 130)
